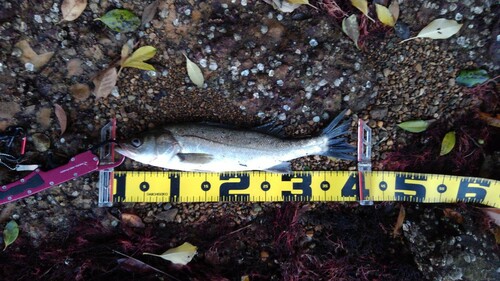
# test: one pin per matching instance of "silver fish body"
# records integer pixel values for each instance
(209, 148)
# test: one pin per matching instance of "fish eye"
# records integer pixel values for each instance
(136, 142)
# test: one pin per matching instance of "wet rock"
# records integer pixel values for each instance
(168, 215)
(447, 250)
(402, 30)
(494, 50)
(41, 141)
(9, 109)
(379, 112)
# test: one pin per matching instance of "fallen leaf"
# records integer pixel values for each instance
(72, 9)
(74, 67)
(448, 143)
(194, 72)
(43, 117)
(180, 255)
(61, 117)
(125, 53)
(493, 213)
(394, 8)
(399, 221)
(453, 215)
(438, 29)
(282, 6)
(414, 126)
(384, 15)
(105, 82)
(132, 220)
(490, 119)
(362, 5)
(80, 92)
(29, 56)
(138, 57)
(8, 109)
(471, 78)
(351, 28)
(245, 278)
(6, 212)
(301, 2)
(121, 20)
(149, 12)
(10, 233)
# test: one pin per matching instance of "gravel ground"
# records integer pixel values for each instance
(297, 69)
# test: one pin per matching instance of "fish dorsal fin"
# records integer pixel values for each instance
(282, 168)
(195, 158)
(272, 129)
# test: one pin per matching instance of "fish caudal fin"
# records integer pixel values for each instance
(337, 145)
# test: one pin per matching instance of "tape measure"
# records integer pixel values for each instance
(320, 186)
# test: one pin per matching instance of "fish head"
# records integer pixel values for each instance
(152, 148)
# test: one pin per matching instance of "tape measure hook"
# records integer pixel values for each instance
(364, 160)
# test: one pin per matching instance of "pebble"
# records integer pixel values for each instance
(418, 67)
(313, 43)
(451, 82)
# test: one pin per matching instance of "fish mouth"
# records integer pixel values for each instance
(122, 150)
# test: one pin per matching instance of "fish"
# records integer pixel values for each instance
(216, 148)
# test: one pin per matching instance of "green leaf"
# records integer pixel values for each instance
(10, 233)
(471, 78)
(414, 126)
(138, 57)
(448, 143)
(121, 20)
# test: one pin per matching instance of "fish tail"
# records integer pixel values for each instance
(337, 145)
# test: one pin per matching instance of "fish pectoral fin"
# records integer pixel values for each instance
(282, 168)
(195, 158)
(271, 129)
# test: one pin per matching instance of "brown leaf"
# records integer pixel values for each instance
(399, 222)
(43, 117)
(105, 82)
(125, 53)
(490, 119)
(80, 92)
(74, 67)
(453, 215)
(29, 56)
(61, 117)
(132, 220)
(394, 8)
(149, 12)
(72, 9)
(9, 109)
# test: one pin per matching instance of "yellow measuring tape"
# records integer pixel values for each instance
(300, 186)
